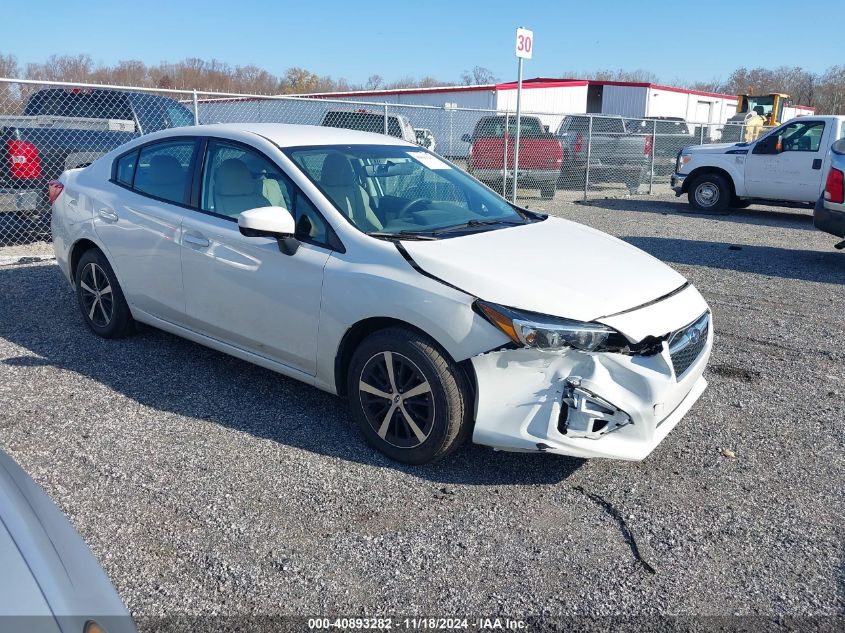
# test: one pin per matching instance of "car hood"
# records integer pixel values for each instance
(714, 148)
(554, 267)
(59, 575)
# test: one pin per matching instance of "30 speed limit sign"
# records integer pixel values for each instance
(524, 43)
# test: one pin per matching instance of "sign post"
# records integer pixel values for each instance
(524, 48)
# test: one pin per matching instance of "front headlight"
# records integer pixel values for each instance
(528, 329)
(683, 159)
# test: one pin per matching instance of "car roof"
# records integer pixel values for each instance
(287, 135)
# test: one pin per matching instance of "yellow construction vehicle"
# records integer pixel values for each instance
(754, 114)
(769, 106)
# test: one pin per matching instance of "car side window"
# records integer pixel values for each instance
(802, 136)
(236, 179)
(124, 171)
(163, 170)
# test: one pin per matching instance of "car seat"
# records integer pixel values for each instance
(338, 180)
(235, 190)
(164, 178)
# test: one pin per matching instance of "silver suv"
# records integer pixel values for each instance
(371, 121)
(829, 214)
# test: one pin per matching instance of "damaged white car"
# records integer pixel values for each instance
(371, 268)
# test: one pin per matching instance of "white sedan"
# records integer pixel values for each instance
(371, 268)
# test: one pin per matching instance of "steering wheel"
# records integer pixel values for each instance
(406, 208)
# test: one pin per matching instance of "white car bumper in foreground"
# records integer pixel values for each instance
(587, 404)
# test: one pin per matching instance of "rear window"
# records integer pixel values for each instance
(82, 103)
(363, 122)
(163, 170)
(125, 168)
(659, 127)
(494, 127)
(601, 125)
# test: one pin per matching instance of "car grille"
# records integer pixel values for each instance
(686, 345)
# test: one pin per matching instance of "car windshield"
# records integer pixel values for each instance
(394, 190)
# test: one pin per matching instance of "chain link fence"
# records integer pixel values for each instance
(49, 127)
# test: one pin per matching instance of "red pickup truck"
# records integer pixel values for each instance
(540, 154)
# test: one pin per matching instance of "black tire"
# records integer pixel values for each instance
(424, 428)
(710, 193)
(105, 313)
(547, 192)
(572, 178)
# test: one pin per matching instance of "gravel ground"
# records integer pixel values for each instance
(205, 485)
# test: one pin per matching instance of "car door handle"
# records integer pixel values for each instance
(108, 215)
(817, 163)
(195, 240)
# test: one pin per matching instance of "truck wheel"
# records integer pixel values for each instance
(572, 178)
(408, 397)
(709, 192)
(547, 192)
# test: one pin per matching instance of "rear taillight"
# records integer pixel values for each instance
(649, 146)
(579, 143)
(24, 161)
(834, 188)
(54, 190)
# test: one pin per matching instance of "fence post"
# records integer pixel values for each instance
(385, 119)
(505, 157)
(589, 151)
(701, 139)
(653, 152)
(196, 110)
(451, 132)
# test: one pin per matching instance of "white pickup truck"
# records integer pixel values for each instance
(786, 165)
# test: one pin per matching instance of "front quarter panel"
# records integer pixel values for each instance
(385, 285)
(733, 164)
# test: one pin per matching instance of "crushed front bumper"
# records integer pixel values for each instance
(589, 404)
(677, 183)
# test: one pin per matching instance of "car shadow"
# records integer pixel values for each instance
(158, 370)
(787, 217)
(821, 266)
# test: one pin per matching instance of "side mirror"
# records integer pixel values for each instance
(274, 222)
(770, 145)
(466, 138)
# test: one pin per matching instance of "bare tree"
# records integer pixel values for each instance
(374, 82)
(479, 75)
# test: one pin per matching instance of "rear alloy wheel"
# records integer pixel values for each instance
(408, 398)
(710, 192)
(100, 297)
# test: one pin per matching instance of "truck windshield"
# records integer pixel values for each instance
(761, 104)
(401, 191)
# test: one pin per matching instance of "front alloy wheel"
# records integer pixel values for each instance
(397, 400)
(409, 399)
